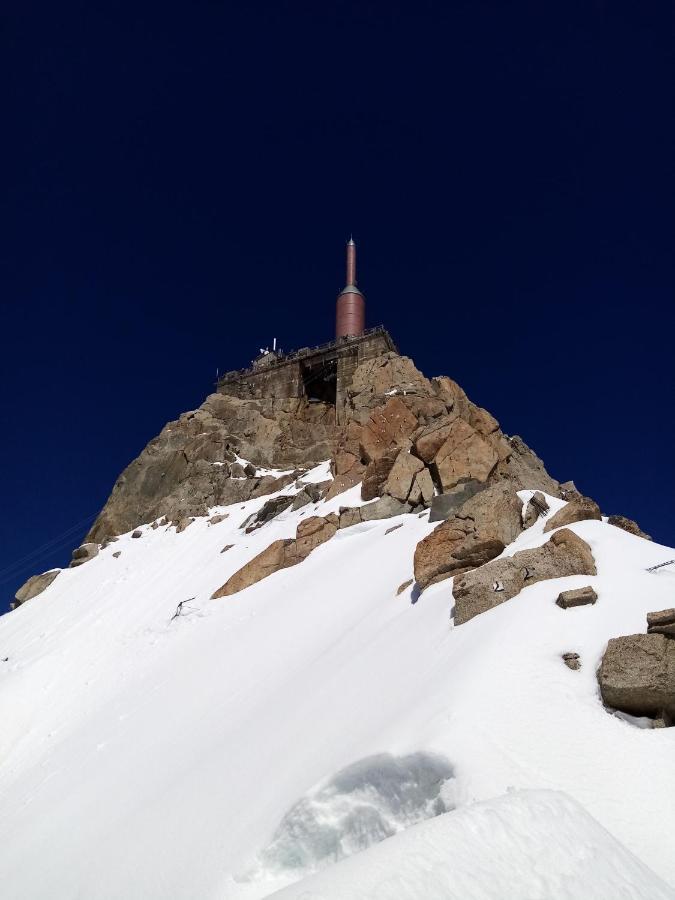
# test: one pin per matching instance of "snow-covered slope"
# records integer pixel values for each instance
(150, 757)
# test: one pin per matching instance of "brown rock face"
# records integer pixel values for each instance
(185, 470)
(83, 554)
(662, 622)
(637, 675)
(387, 428)
(463, 456)
(402, 475)
(477, 533)
(34, 586)
(376, 475)
(453, 547)
(537, 506)
(628, 525)
(574, 511)
(500, 580)
(270, 560)
(496, 511)
(281, 554)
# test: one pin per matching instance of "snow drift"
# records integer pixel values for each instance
(527, 845)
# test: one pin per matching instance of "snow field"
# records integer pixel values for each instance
(150, 758)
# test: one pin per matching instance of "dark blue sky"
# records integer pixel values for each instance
(179, 180)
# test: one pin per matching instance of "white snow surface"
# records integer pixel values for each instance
(526, 845)
(145, 757)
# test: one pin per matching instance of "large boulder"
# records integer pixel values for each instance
(465, 454)
(574, 511)
(453, 547)
(376, 473)
(495, 511)
(445, 505)
(564, 554)
(662, 622)
(479, 531)
(637, 675)
(34, 586)
(84, 553)
(422, 490)
(266, 563)
(384, 508)
(402, 475)
(281, 554)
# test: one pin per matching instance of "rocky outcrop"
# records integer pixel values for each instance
(578, 597)
(637, 675)
(388, 427)
(34, 586)
(662, 622)
(454, 547)
(84, 553)
(384, 508)
(574, 511)
(281, 554)
(402, 476)
(376, 474)
(536, 506)
(479, 531)
(268, 511)
(426, 431)
(186, 469)
(464, 455)
(477, 591)
(628, 525)
(445, 505)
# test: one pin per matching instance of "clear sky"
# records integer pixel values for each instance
(179, 180)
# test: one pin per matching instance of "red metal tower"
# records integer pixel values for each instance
(350, 318)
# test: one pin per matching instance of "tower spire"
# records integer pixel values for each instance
(350, 312)
(351, 262)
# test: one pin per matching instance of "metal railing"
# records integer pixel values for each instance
(293, 355)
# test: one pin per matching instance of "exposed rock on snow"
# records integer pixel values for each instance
(662, 622)
(637, 675)
(384, 508)
(537, 506)
(454, 547)
(577, 597)
(628, 525)
(281, 554)
(482, 589)
(478, 532)
(269, 510)
(35, 585)
(572, 661)
(86, 552)
(574, 511)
